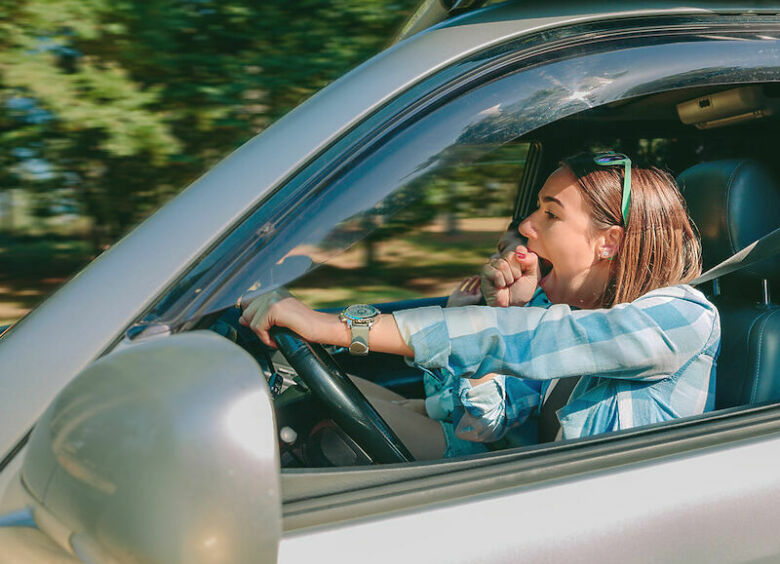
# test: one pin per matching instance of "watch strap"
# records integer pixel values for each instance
(359, 344)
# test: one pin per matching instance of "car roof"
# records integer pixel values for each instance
(431, 13)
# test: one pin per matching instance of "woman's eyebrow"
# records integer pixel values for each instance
(553, 200)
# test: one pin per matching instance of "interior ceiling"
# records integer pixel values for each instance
(648, 114)
(660, 106)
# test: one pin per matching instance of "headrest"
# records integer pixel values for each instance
(733, 203)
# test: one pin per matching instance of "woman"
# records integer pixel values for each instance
(602, 281)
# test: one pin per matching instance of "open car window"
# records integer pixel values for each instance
(419, 243)
(380, 177)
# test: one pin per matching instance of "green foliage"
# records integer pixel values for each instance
(129, 100)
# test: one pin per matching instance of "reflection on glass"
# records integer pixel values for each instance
(406, 241)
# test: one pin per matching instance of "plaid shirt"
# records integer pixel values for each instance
(642, 362)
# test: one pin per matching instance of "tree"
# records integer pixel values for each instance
(129, 100)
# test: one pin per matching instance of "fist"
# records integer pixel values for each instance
(511, 279)
(262, 313)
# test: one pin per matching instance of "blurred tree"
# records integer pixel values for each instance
(126, 101)
(462, 187)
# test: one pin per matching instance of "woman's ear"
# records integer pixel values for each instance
(609, 242)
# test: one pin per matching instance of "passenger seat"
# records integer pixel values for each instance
(733, 203)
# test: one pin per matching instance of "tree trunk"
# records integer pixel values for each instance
(451, 226)
(7, 211)
(369, 253)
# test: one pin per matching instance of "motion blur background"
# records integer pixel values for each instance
(108, 108)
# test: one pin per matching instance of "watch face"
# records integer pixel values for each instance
(361, 311)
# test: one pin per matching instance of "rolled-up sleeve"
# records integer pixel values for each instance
(492, 408)
(425, 331)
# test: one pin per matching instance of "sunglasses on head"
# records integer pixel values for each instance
(617, 159)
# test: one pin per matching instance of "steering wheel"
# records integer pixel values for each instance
(344, 402)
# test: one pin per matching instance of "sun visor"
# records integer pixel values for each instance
(727, 108)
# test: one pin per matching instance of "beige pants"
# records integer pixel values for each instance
(422, 435)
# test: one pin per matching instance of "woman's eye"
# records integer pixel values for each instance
(551, 215)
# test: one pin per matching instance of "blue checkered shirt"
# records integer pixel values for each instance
(642, 362)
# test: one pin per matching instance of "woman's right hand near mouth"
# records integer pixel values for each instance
(511, 279)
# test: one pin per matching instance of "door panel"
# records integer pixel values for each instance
(718, 505)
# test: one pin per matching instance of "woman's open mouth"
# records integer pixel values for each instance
(546, 268)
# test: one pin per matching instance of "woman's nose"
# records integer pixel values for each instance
(526, 228)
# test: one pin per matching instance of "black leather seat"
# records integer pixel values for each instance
(733, 203)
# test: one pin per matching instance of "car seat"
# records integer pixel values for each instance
(733, 203)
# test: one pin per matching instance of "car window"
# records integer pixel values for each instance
(397, 193)
(422, 250)
(384, 174)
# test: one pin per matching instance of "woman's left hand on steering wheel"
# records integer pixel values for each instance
(327, 381)
(279, 308)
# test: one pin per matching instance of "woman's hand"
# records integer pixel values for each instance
(280, 308)
(467, 293)
(512, 279)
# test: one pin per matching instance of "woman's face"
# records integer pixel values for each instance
(561, 233)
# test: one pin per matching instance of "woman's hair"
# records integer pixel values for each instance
(660, 245)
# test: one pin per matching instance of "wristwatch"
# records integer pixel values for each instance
(359, 318)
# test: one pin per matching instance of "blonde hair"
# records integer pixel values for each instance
(660, 246)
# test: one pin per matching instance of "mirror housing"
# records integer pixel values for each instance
(164, 451)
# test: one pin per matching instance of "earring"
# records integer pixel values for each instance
(604, 254)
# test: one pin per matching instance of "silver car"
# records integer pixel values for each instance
(140, 423)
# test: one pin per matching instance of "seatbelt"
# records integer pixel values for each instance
(549, 424)
(766, 247)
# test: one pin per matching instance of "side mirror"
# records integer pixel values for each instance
(161, 452)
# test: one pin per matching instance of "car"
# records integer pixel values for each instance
(141, 423)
